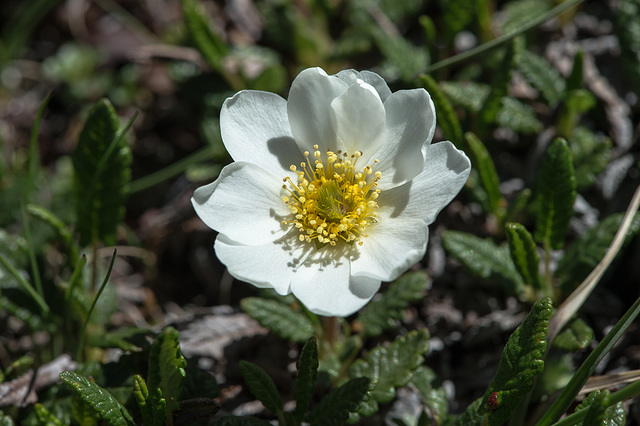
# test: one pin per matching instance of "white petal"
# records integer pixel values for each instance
(446, 170)
(358, 118)
(328, 289)
(309, 109)
(244, 203)
(393, 245)
(265, 266)
(255, 128)
(411, 122)
(350, 77)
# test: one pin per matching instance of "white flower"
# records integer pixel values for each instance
(331, 191)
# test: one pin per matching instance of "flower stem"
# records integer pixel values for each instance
(330, 326)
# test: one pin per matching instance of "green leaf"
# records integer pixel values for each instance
(467, 94)
(101, 163)
(600, 412)
(261, 386)
(569, 392)
(46, 418)
(483, 164)
(403, 60)
(472, 415)
(558, 370)
(522, 360)
(576, 76)
(390, 367)
(586, 252)
(307, 375)
(167, 368)
(446, 116)
(484, 258)
(524, 254)
(519, 117)
(153, 414)
(499, 85)
(576, 336)
(241, 421)
(211, 45)
(5, 420)
(556, 187)
(52, 220)
(82, 413)
(279, 318)
(434, 398)
(334, 408)
(591, 155)
(99, 399)
(382, 314)
(518, 13)
(542, 76)
(457, 15)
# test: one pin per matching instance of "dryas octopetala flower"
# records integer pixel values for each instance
(331, 191)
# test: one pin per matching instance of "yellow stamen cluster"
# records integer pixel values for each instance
(334, 201)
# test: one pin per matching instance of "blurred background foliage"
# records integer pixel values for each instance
(147, 80)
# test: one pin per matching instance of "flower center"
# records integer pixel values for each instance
(332, 201)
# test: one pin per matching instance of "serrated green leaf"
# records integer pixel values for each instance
(576, 336)
(586, 252)
(307, 375)
(390, 367)
(524, 254)
(518, 13)
(600, 412)
(261, 386)
(472, 416)
(522, 360)
(517, 116)
(167, 368)
(279, 318)
(199, 383)
(446, 116)
(99, 399)
(499, 84)
(434, 398)
(467, 94)
(542, 76)
(382, 314)
(47, 419)
(564, 399)
(486, 169)
(484, 258)
(591, 155)
(556, 193)
(153, 414)
(403, 60)
(334, 408)
(101, 164)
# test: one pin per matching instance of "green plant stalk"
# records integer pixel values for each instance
(568, 394)
(32, 253)
(623, 394)
(33, 148)
(93, 305)
(170, 171)
(25, 285)
(476, 51)
(75, 279)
